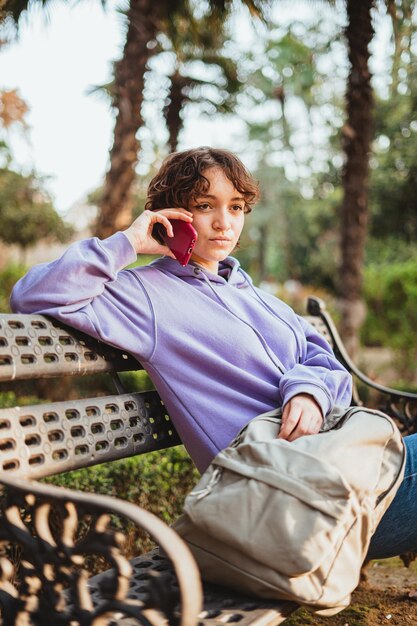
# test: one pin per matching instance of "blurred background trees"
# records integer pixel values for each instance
(27, 214)
(333, 145)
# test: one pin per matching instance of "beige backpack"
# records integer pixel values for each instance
(293, 521)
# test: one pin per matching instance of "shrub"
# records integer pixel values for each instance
(9, 399)
(8, 277)
(391, 298)
(157, 482)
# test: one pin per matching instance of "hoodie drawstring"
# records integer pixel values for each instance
(271, 310)
(267, 349)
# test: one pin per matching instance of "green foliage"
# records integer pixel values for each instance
(293, 231)
(8, 277)
(9, 399)
(136, 381)
(290, 236)
(26, 212)
(297, 219)
(391, 297)
(158, 482)
(389, 250)
(394, 169)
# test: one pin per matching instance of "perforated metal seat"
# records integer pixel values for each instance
(33, 346)
(41, 440)
(220, 605)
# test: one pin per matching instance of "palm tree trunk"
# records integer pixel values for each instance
(262, 249)
(117, 202)
(173, 109)
(357, 135)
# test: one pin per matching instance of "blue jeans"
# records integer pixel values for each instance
(397, 531)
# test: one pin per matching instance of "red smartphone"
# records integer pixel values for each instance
(182, 243)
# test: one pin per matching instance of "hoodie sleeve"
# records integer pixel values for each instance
(319, 373)
(88, 289)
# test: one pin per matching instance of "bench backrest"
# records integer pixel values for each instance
(45, 439)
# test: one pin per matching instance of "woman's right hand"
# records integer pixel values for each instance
(139, 232)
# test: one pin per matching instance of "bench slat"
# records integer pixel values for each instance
(46, 439)
(34, 346)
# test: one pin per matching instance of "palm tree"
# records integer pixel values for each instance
(185, 89)
(144, 22)
(146, 19)
(357, 136)
(214, 92)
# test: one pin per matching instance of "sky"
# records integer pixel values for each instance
(53, 64)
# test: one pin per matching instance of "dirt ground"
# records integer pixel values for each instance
(388, 597)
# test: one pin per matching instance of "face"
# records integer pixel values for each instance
(218, 219)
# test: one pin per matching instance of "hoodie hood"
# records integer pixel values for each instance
(230, 271)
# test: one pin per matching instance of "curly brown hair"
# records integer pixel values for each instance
(181, 178)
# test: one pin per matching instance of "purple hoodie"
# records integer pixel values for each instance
(219, 350)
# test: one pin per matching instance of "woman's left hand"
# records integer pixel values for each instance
(300, 416)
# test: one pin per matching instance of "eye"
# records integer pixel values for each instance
(237, 207)
(204, 206)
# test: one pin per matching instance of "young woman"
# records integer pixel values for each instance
(219, 350)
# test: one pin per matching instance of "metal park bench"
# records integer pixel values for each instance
(48, 533)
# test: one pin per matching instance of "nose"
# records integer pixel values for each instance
(222, 220)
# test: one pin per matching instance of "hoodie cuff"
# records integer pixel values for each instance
(120, 248)
(318, 393)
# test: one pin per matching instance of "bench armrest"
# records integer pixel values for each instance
(53, 582)
(402, 405)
